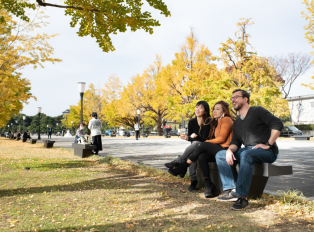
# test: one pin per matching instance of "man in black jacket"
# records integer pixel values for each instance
(257, 129)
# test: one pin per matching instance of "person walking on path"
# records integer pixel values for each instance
(198, 131)
(257, 129)
(95, 127)
(137, 130)
(49, 132)
(220, 138)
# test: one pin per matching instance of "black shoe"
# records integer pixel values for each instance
(172, 164)
(182, 169)
(241, 204)
(211, 190)
(182, 175)
(228, 197)
(193, 185)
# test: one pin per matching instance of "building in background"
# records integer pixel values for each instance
(301, 109)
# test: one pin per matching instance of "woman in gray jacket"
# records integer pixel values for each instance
(95, 127)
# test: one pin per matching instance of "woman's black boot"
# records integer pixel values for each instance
(193, 185)
(180, 170)
(211, 190)
(172, 164)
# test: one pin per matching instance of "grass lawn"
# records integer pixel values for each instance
(61, 192)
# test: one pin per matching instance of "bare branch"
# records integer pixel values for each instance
(289, 67)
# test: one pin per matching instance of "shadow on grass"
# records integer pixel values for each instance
(197, 212)
(97, 183)
(68, 164)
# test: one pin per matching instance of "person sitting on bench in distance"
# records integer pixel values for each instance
(257, 129)
(198, 131)
(220, 134)
(79, 132)
(26, 135)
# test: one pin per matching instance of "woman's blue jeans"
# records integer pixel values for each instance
(247, 158)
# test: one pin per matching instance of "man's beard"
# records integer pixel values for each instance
(239, 107)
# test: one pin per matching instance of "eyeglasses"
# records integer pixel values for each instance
(235, 97)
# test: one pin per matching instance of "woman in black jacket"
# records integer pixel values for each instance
(198, 131)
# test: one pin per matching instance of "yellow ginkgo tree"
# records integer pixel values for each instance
(19, 47)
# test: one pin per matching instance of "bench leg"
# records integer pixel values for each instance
(83, 153)
(257, 186)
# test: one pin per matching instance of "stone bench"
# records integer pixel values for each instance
(302, 137)
(33, 141)
(259, 180)
(48, 143)
(83, 150)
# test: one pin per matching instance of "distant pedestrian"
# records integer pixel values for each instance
(95, 127)
(49, 132)
(137, 130)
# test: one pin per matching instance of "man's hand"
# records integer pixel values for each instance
(230, 157)
(185, 137)
(263, 146)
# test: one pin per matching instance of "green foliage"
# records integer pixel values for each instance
(97, 18)
(305, 127)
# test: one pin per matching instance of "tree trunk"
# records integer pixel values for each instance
(159, 126)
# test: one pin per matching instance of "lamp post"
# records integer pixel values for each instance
(57, 128)
(17, 124)
(72, 126)
(48, 130)
(24, 117)
(138, 121)
(81, 87)
(39, 112)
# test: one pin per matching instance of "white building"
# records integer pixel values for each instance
(301, 109)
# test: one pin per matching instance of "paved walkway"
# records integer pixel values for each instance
(157, 151)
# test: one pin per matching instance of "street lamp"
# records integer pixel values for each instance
(72, 126)
(81, 88)
(138, 121)
(48, 131)
(39, 112)
(24, 117)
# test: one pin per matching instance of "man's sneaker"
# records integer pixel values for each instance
(240, 204)
(228, 197)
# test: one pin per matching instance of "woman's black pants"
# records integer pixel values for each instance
(204, 153)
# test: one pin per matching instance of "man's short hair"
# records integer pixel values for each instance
(244, 94)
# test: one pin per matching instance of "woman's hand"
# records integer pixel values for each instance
(193, 136)
(184, 137)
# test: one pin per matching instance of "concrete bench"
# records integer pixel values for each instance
(301, 137)
(48, 143)
(83, 150)
(33, 141)
(259, 180)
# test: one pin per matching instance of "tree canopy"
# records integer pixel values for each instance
(97, 18)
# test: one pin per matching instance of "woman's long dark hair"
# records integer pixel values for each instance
(206, 116)
(213, 122)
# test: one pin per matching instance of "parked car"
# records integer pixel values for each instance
(289, 131)
(174, 133)
(144, 135)
(153, 133)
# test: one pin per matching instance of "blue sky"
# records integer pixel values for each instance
(278, 29)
